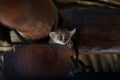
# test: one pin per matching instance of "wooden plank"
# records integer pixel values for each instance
(38, 61)
(95, 27)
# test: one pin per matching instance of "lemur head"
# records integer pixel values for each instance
(62, 36)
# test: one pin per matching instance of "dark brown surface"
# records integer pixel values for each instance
(95, 27)
(38, 61)
(4, 35)
(33, 18)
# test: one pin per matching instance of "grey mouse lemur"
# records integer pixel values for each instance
(62, 36)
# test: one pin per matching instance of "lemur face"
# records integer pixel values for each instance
(62, 36)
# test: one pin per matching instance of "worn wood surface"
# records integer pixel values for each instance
(34, 19)
(85, 4)
(38, 61)
(98, 36)
(95, 27)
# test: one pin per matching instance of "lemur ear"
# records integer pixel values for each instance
(72, 32)
(52, 34)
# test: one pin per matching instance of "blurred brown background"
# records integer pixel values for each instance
(100, 62)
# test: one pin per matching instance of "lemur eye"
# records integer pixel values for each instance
(60, 37)
(66, 37)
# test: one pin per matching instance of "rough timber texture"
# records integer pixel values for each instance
(100, 63)
(95, 27)
(85, 4)
(38, 61)
(98, 33)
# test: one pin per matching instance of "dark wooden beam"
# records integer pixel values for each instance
(95, 27)
(38, 61)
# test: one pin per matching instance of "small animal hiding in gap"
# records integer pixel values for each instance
(62, 36)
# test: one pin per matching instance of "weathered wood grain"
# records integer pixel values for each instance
(95, 27)
(85, 4)
(97, 36)
(38, 61)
